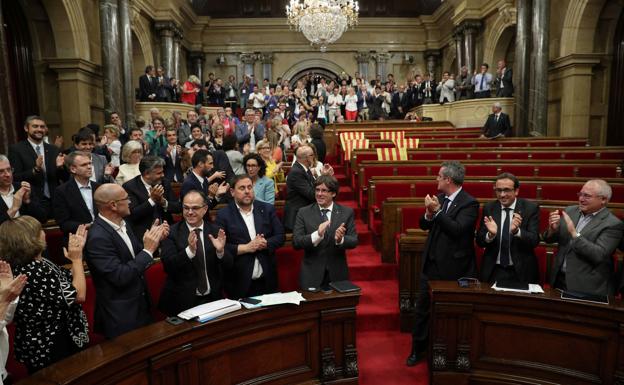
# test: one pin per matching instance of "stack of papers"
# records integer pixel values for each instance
(292, 297)
(533, 289)
(210, 310)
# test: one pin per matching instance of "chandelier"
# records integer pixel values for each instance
(322, 21)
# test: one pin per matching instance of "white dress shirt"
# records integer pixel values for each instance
(87, 196)
(503, 217)
(8, 199)
(248, 218)
(121, 230)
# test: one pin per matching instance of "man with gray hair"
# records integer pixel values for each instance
(588, 234)
(463, 85)
(150, 196)
(449, 252)
(17, 198)
(497, 124)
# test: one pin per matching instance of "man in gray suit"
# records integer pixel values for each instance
(463, 85)
(588, 234)
(325, 230)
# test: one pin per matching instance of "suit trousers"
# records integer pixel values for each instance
(422, 308)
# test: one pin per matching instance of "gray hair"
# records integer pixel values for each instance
(3, 158)
(71, 158)
(455, 170)
(149, 163)
(130, 147)
(604, 190)
(497, 105)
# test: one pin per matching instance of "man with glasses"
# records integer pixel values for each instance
(449, 252)
(509, 232)
(194, 256)
(588, 234)
(325, 230)
(117, 261)
(16, 196)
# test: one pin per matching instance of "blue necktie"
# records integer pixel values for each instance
(46, 188)
(324, 216)
(482, 82)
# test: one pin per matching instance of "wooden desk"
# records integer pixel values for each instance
(287, 344)
(479, 336)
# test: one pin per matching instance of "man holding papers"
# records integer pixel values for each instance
(509, 232)
(194, 256)
(253, 234)
(325, 230)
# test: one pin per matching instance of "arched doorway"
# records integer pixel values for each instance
(505, 47)
(615, 133)
(315, 71)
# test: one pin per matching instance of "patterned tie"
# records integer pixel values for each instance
(445, 204)
(324, 216)
(505, 241)
(46, 188)
(200, 264)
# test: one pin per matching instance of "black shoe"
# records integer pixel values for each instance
(414, 358)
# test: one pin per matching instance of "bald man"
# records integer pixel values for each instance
(117, 262)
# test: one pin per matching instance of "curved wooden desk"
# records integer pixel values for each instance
(479, 336)
(286, 344)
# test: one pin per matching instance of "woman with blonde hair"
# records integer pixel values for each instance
(217, 135)
(49, 321)
(190, 89)
(131, 153)
(273, 169)
(301, 134)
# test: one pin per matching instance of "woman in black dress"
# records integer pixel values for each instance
(49, 321)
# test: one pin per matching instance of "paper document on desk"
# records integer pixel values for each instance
(210, 310)
(533, 289)
(292, 297)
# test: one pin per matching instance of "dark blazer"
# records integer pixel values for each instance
(266, 222)
(70, 209)
(299, 193)
(192, 183)
(222, 163)
(508, 89)
(321, 149)
(449, 249)
(99, 164)
(522, 248)
(398, 101)
(326, 255)
(493, 128)
(147, 87)
(243, 135)
(142, 214)
(33, 209)
(414, 97)
(589, 266)
(22, 157)
(122, 300)
(170, 169)
(178, 293)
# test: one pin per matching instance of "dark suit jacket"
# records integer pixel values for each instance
(34, 208)
(326, 255)
(192, 183)
(589, 262)
(522, 248)
(222, 163)
(267, 223)
(299, 193)
(122, 300)
(170, 169)
(321, 149)
(178, 293)
(22, 157)
(493, 128)
(449, 250)
(243, 135)
(99, 164)
(508, 89)
(398, 101)
(147, 87)
(142, 214)
(70, 209)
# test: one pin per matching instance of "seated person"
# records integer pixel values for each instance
(131, 154)
(497, 124)
(194, 256)
(17, 198)
(264, 188)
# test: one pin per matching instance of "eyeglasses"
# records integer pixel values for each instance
(503, 190)
(6, 170)
(321, 190)
(127, 198)
(192, 208)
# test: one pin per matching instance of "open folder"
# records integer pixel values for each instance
(210, 310)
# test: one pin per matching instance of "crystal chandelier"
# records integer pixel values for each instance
(322, 21)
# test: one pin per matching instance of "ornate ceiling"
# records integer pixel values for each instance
(276, 8)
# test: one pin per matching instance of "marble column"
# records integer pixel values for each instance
(7, 106)
(267, 65)
(166, 31)
(459, 37)
(431, 57)
(111, 58)
(470, 29)
(125, 34)
(197, 63)
(521, 67)
(363, 58)
(177, 52)
(539, 81)
(248, 60)
(382, 60)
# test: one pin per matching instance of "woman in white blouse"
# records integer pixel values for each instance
(131, 153)
(351, 110)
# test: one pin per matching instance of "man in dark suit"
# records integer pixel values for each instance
(497, 123)
(509, 232)
(172, 154)
(253, 233)
(73, 203)
(249, 127)
(37, 162)
(101, 169)
(194, 256)
(325, 230)
(17, 198)
(202, 177)
(588, 234)
(150, 196)
(117, 261)
(504, 80)
(449, 249)
(414, 93)
(220, 161)
(300, 185)
(148, 85)
(399, 103)
(163, 85)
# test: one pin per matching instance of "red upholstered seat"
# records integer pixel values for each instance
(422, 156)
(288, 266)
(519, 170)
(481, 170)
(155, 277)
(54, 241)
(528, 190)
(559, 170)
(597, 171)
(409, 170)
(560, 191)
(480, 189)
(517, 155)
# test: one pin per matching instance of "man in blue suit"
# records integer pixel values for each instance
(249, 129)
(253, 233)
(117, 261)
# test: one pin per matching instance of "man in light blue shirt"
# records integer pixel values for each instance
(482, 82)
